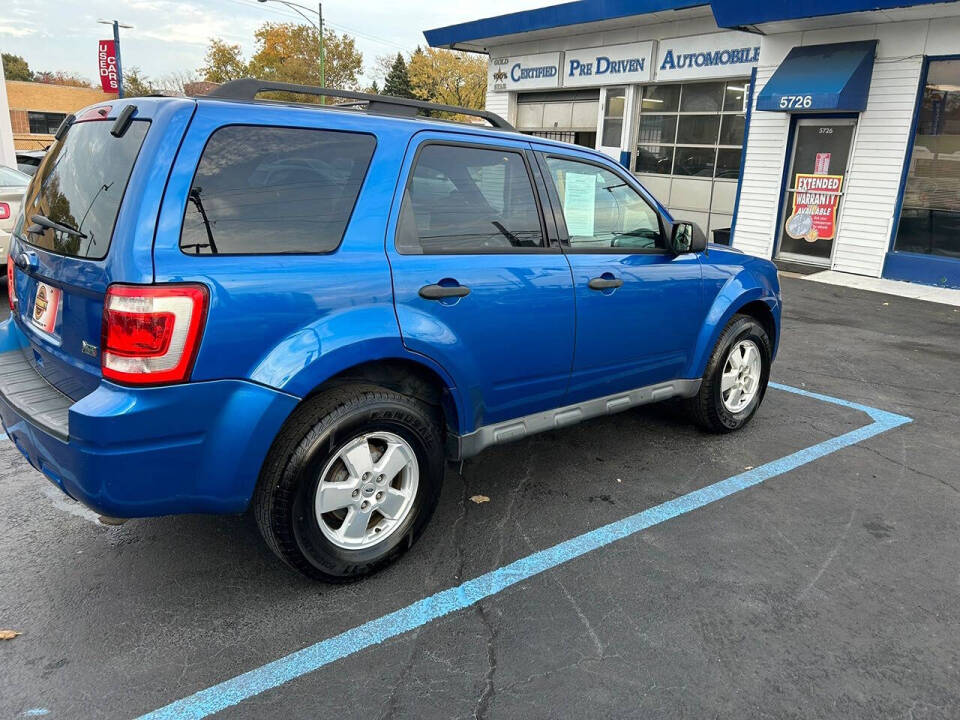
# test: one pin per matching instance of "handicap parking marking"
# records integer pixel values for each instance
(274, 674)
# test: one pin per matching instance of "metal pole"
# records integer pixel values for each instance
(116, 47)
(323, 60)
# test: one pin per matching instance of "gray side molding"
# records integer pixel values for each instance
(483, 437)
(36, 400)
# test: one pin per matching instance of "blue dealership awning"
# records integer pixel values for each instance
(817, 78)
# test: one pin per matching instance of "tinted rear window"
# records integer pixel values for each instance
(468, 199)
(80, 185)
(268, 190)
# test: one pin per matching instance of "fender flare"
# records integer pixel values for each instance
(740, 290)
(314, 354)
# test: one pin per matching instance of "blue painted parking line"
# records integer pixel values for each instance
(235, 690)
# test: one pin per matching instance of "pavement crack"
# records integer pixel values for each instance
(489, 690)
(876, 383)
(902, 464)
(508, 513)
(830, 556)
(389, 706)
(570, 599)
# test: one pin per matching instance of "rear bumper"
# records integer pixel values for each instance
(191, 448)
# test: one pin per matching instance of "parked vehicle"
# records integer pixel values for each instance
(29, 160)
(222, 302)
(13, 184)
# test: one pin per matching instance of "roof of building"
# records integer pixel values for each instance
(554, 16)
(728, 14)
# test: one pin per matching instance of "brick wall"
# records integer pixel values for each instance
(41, 97)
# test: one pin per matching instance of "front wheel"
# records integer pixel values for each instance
(736, 377)
(350, 482)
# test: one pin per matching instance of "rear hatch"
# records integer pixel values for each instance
(63, 242)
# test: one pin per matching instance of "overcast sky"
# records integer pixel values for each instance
(171, 35)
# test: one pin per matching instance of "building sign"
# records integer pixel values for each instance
(702, 57)
(612, 65)
(815, 207)
(524, 72)
(107, 61)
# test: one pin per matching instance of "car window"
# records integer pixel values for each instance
(80, 186)
(467, 199)
(270, 190)
(13, 178)
(601, 210)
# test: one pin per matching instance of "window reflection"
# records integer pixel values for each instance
(692, 129)
(930, 218)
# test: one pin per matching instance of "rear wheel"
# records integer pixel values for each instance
(350, 482)
(736, 377)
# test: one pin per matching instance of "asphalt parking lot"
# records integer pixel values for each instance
(829, 590)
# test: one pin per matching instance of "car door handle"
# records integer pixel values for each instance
(438, 292)
(603, 283)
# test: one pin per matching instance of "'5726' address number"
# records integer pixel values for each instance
(792, 102)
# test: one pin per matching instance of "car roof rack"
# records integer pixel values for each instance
(249, 88)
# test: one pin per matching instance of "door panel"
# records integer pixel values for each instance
(639, 308)
(474, 285)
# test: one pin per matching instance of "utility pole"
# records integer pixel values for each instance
(323, 59)
(116, 46)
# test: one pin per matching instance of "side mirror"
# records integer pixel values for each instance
(684, 239)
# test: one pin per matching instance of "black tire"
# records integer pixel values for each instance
(707, 408)
(284, 498)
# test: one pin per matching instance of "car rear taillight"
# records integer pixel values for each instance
(11, 290)
(4, 211)
(151, 333)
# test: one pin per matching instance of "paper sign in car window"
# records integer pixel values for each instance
(579, 203)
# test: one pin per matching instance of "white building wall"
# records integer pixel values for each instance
(880, 145)
(503, 104)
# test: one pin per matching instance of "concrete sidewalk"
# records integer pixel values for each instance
(945, 296)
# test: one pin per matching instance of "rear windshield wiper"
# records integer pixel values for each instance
(41, 222)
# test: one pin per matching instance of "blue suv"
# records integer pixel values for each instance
(226, 302)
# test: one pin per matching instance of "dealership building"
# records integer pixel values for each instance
(819, 133)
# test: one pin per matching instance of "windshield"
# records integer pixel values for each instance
(79, 187)
(13, 178)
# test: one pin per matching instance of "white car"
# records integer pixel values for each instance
(13, 184)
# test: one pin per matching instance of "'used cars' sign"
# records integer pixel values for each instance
(107, 61)
(612, 65)
(702, 57)
(524, 72)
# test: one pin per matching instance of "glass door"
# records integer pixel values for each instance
(815, 188)
(613, 106)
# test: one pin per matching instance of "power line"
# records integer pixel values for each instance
(343, 28)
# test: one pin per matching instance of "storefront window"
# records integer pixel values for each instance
(930, 219)
(694, 129)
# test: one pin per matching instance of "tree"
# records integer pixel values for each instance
(374, 89)
(397, 83)
(288, 52)
(223, 62)
(136, 84)
(16, 68)
(382, 66)
(449, 77)
(175, 83)
(59, 77)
